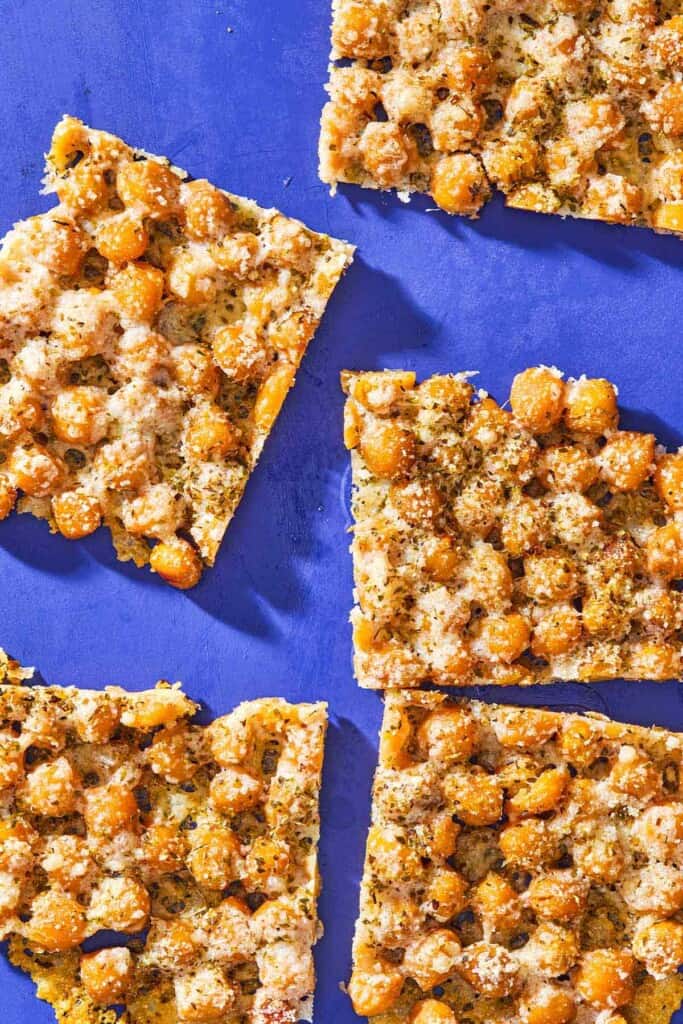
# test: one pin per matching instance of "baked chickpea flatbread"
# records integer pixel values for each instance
(150, 328)
(565, 106)
(198, 844)
(522, 866)
(510, 547)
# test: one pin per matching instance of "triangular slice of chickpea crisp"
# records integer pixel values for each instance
(150, 328)
(523, 866)
(196, 846)
(510, 546)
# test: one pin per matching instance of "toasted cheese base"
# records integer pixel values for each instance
(510, 547)
(196, 845)
(522, 865)
(151, 326)
(565, 107)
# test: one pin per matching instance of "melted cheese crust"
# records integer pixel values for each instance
(565, 106)
(197, 844)
(150, 328)
(522, 865)
(509, 547)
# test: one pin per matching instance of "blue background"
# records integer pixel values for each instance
(232, 90)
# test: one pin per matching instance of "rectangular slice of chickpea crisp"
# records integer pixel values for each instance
(150, 328)
(197, 845)
(510, 547)
(522, 866)
(572, 107)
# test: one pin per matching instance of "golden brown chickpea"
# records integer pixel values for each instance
(177, 562)
(489, 969)
(668, 479)
(525, 525)
(503, 638)
(558, 895)
(8, 497)
(83, 188)
(537, 399)
(35, 470)
(655, 660)
(605, 978)
(271, 395)
(449, 734)
(566, 468)
(194, 369)
(416, 501)
(77, 514)
(61, 244)
(122, 237)
(174, 943)
(477, 798)
(556, 632)
(385, 152)
(79, 415)
(67, 863)
(459, 184)
(476, 507)
(57, 922)
(604, 617)
(660, 947)
(375, 991)
(107, 975)
(170, 754)
(204, 996)
(267, 858)
(627, 460)
(432, 1011)
(120, 904)
(430, 959)
(389, 854)
(552, 949)
(441, 558)
(211, 859)
(388, 449)
(210, 433)
(238, 351)
(550, 577)
(580, 742)
(138, 288)
(149, 184)
(591, 406)
(234, 790)
(110, 809)
(540, 796)
(208, 211)
(497, 903)
(69, 141)
(635, 774)
(530, 844)
(487, 424)
(238, 253)
(664, 552)
(163, 849)
(488, 577)
(601, 859)
(51, 788)
(669, 217)
(446, 894)
(525, 729)
(665, 111)
(548, 1005)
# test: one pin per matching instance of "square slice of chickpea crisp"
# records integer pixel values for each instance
(572, 107)
(196, 845)
(518, 546)
(522, 867)
(150, 328)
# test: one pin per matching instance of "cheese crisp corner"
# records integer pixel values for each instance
(197, 845)
(565, 106)
(522, 867)
(510, 546)
(150, 328)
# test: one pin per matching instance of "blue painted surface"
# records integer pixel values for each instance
(232, 90)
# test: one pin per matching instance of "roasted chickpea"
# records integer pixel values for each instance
(52, 788)
(664, 552)
(210, 433)
(432, 1011)
(35, 470)
(591, 406)
(83, 188)
(558, 895)
(8, 497)
(635, 774)
(552, 949)
(550, 577)
(389, 854)
(448, 734)
(602, 616)
(57, 922)
(548, 1005)
(388, 449)
(542, 795)
(417, 501)
(120, 904)
(459, 184)
(271, 395)
(446, 894)
(441, 558)
(502, 638)
(79, 415)
(605, 978)
(669, 217)
(360, 31)
(122, 237)
(477, 798)
(530, 844)
(61, 244)
(580, 742)
(430, 959)
(138, 288)
(537, 399)
(497, 903)
(567, 468)
(665, 111)
(524, 728)
(67, 863)
(556, 632)
(204, 996)
(487, 424)
(194, 369)
(488, 577)
(668, 479)
(660, 947)
(489, 969)
(170, 754)
(208, 211)
(627, 460)
(107, 975)
(525, 525)
(163, 849)
(383, 147)
(110, 809)
(234, 790)
(149, 184)
(177, 562)
(212, 854)
(375, 991)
